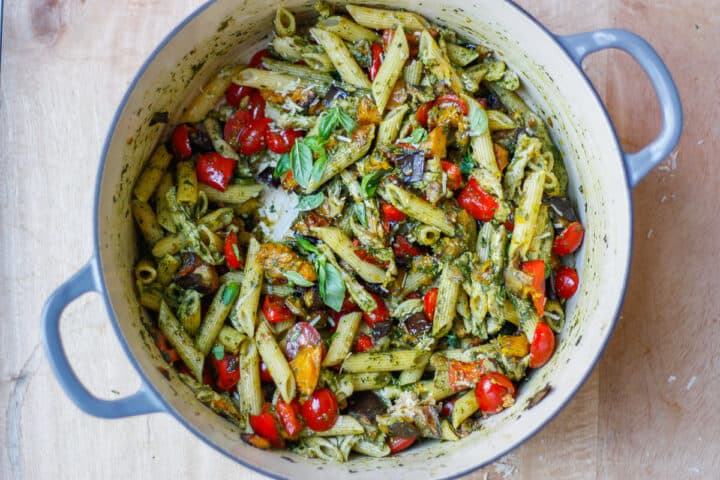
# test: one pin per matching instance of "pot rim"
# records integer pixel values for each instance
(168, 407)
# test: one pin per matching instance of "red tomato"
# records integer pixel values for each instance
(569, 239)
(379, 315)
(392, 213)
(265, 373)
(368, 257)
(235, 93)
(403, 248)
(478, 203)
(302, 334)
(455, 100)
(289, 414)
(463, 375)
(215, 170)
(536, 269)
(454, 175)
(448, 407)
(181, 141)
(275, 310)
(363, 343)
(493, 392)
(236, 126)
(266, 426)
(256, 60)
(377, 54)
(429, 301)
(422, 113)
(509, 226)
(321, 410)
(254, 137)
(227, 371)
(282, 141)
(256, 105)
(398, 444)
(566, 282)
(169, 354)
(542, 346)
(232, 254)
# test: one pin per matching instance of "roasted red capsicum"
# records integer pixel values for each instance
(477, 202)
(215, 170)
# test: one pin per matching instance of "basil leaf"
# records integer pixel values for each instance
(333, 291)
(320, 263)
(283, 166)
(306, 246)
(346, 121)
(370, 182)
(297, 279)
(301, 162)
(359, 209)
(319, 168)
(328, 122)
(466, 165)
(218, 352)
(418, 135)
(310, 202)
(478, 120)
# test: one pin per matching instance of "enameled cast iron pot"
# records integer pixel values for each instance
(601, 176)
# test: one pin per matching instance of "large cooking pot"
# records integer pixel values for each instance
(601, 176)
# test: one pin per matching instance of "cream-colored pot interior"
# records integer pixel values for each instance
(231, 31)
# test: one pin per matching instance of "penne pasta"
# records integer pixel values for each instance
(344, 425)
(368, 381)
(146, 221)
(342, 340)
(284, 22)
(276, 363)
(222, 303)
(417, 208)
(342, 246)
(210, 95)
(391, 68)
(187, 187)
(464, 406)
(379, 19)
(249, 388)
(448, 291)
(233, 194)
(341, 58)
(152, 173)
(181, 342)
(390, 125)
(348, 30)
(390, 361)
(244, 312)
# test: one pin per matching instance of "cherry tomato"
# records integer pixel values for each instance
(448, 407)
(275, 310)
(266, 426)
(454, 175)
(282, 141)
(453, 99)
(478, 203)
(254, 137)
(566, 282)
(227, 371)
(256, 105)
(256, 60)
(289, 414)
(321, 410)
(422, 113)
(181, 141)
(379, 315)
(377, 54)
(215, 170)
(391, 213)
(265, 373)
(569, 239)
(232, 254)
(235, 93)
(463, 375)
(302, 334)
(363, 343)
(398, 444)
(235, 127)
(429, 301)
(493, 392)
(536, 269)
(542, 346)
(403, 248)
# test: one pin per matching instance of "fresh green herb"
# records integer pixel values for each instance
(478, 120)
(370, 182)
(230, 292)
(332, 118)
(310, 202)
(359, 209)
(297, 279)
(466, 165)
(218, 352)
(301, 162)
(418, 135)
(332, 286)
(306, 246)
(319, 168)
(282, 167)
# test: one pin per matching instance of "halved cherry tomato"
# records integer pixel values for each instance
(256, 60)
(566, 282)
(235, 93)
(493, 392)
(254, 137)
(169, 354)
(569, 239)
(478, 203)
(422, 113)
(379, 315)
(181, 141)
(542, 346)
(429, 302)
(377, 54)
(398, 444)
(403, 248)
(289, 414)
(306, 368)
(256, 105)
(390, 212)
(536, 269)
(363, 343)
(232, 254)
(265, 373)
(302, 334)
(463, 375)
(275, 310)
(282, 141)
(454, 175)
(215, 170)
(448, 407)
(227, 371)
(266, 426)
(321, 410)
(235, 126)
(455, 100)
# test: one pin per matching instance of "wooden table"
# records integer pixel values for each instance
(648, 411)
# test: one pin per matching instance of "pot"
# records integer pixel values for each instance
(601, 177)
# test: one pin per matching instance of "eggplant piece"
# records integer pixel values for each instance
(381, 329)
(561, 210)
(334, 93)
(417, 324)
(196, 275)
(200, 141)
(267, 177)
(412, 165)
(365, 406)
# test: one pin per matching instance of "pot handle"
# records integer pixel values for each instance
(85, 280)
(639, 163)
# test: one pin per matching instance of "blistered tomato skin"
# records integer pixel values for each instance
(543, 345)
(566, 282)
(321, 410)
(494, 391)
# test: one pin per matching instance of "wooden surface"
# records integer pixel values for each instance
(649, 410)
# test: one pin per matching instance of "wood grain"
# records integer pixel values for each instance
(648, 410)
